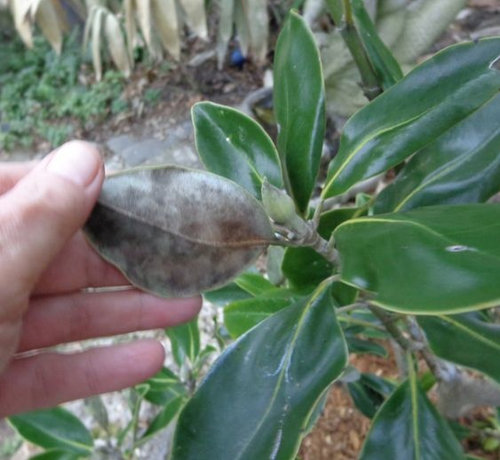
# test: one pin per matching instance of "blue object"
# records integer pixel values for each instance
(237, 59)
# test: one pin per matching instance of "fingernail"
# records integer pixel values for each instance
(77, 161)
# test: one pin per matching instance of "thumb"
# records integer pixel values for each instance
(42, 211)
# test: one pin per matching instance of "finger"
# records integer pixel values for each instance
(40, 213)
(54, 320)
(49, 379)
(78, 266)
(12, 173)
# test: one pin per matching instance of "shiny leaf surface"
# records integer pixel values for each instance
(299, 104)
(465, 339)
(254, 283)
(262, 390)
(242, 315)
(176, 232)
(384, 63)
(429, 101)
(233, 145)
(369, 392)
(54, 428)
(408, 426)
(433, 260)
(185, 341)
(461, 166)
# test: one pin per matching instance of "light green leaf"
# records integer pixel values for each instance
(461, 166)
(164, 417)
(465, 339)
(254, 283)
(408, 426)
(242, 315)
(299, 104)
(433, 260)
(185, 341)
(430, 100)
(233, 145)
(56, 454)
(54, 428)
(164, 387)
(260, 394)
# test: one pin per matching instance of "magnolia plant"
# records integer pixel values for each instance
(417, 262)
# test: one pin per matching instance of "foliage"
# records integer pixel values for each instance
(41, 95)
(424, 274)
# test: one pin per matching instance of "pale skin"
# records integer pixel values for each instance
(45, 265)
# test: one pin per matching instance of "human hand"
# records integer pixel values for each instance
(45, 262)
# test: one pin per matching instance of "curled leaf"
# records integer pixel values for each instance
(176, 232)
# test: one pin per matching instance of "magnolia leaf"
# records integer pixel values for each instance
(432, 260)
(48, 20)
(176, 232)
(166, 25)
(259, 397)
(116, 43)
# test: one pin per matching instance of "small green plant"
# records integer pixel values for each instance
(416, 263)
(41, 96)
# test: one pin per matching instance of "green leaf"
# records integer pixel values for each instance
(175, 231)
(254, 283)
(305, 268)
(369, 392)
(465, 339)
(164, 417)
(357, 345)
(330, 220)
(461, 166)
(56, 454)
(384, 63)
(54, 428)
(185, 341)
(242, 315)
(233, 145)
(261, 392)
(226, 294)
(429, 101)
(408, 426)
(433, 260)
(164, 387)
(299, 104)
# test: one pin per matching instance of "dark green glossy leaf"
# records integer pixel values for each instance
(233, 145)
(384, 63)
(254, 283)
(299, 104)
(357, 345)
(408, 426)
(54, 428)
(164, 417)
(466, 340)
(175, 231)
(164, 387)
(259, 396)
(305, 268)
(330, 220)
(185, 341)
(430, 100)
(461, 166)
(56, 454)
(369, 392)
(433, 260)
(242, 315)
